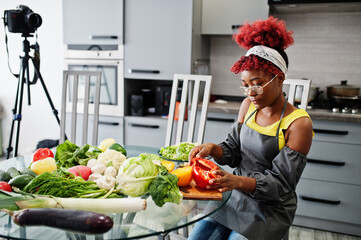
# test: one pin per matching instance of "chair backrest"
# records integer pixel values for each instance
(292, 85)
(192, 85)
(80, 101)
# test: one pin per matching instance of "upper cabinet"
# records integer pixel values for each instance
(159, 38)
(224, 17)
(93, 22)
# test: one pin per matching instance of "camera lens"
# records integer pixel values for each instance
(33, 20)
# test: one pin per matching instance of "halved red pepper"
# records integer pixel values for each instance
(202, 171)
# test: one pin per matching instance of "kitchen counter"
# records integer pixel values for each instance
(315, 114)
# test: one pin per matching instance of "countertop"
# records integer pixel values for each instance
(315, 114)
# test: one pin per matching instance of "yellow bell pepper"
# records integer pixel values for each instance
(184, 175)
(169, 165)
(45, 165)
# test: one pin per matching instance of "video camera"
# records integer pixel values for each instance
(22, 20)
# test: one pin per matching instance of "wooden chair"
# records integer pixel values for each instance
(192, 86)
(292, 84)
(80, 102)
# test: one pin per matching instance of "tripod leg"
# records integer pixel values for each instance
(17, 109)
(10, 148)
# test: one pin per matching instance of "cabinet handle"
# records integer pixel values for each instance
(220, 119)
(326, 131)
(144, 71)
(320, 200)
(235, 27)
(109, 123)
(103, 37)
(143, 125)
(333, 163)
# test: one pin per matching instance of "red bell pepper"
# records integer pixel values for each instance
(42, 153)
(202, 171)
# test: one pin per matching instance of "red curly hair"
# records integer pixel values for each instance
(272, 33)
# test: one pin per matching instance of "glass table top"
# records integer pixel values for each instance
(152, 221)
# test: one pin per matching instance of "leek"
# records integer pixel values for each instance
(12, 201)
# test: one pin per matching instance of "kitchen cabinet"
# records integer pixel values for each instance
(162, 37)
(224, 17)
(218, 126)
(109, 127)
(145, 131)
(330, 187)
(93, 22)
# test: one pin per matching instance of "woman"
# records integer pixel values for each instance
(267, 145)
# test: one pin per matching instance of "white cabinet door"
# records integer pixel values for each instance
(224, 17)
(93, 22)
(108, 127)
(218, 126)
(145, 131)
(158, 38)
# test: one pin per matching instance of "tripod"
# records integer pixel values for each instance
(23, 79)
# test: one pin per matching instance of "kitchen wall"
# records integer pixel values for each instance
(38, 121)
(327, 49)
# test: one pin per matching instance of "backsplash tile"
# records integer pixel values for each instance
(327, 50)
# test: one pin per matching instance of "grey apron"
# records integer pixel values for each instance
(254, 218)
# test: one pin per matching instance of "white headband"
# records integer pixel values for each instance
(269, 54)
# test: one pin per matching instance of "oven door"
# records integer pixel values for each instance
(112, 83)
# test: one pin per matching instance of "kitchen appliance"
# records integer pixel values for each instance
(162, 99)
(112, 84)
(137, 105)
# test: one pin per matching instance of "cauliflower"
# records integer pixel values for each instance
(111, 158)
(106, 182)
(91, 163)
(111, 171)
(99, 168)
(94, 177)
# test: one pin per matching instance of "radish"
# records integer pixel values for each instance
(80, 170)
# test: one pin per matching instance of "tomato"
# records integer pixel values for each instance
(202, 171)
(5, 186)
(42, 153)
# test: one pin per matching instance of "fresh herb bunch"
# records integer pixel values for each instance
(61, 183)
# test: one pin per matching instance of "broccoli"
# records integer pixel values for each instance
(164, 188)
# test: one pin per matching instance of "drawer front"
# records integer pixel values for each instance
(218, 126)
(329, 201)
(108, 127)
(111, 127)
(342, 132)
(334, 162)
(143, 131)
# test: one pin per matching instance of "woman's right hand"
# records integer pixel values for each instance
(201, 151)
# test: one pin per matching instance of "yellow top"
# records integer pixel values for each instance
(272, 129)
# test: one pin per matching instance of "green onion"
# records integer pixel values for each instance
(12, 201)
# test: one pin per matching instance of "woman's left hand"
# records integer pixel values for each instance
(226, 181)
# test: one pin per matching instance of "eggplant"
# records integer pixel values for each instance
(65, 219)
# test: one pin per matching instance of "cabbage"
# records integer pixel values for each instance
(136, 174)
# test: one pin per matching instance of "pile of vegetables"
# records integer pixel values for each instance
(97, 179)
(179, 151)
(103, 172)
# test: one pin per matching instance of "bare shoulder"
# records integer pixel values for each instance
(299, 135)
(243, 109)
